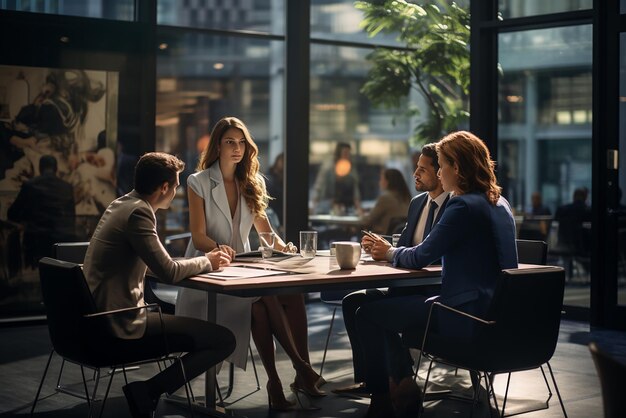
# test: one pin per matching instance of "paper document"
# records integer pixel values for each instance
(240, 272)
(257, 254)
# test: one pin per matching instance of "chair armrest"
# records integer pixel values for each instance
(116, 311)
(454, 311)
(459, 312)
(136, 308)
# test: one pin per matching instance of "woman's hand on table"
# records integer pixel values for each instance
(228, 250)
(290, 248)
(218, 258)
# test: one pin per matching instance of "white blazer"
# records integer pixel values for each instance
(232, 312)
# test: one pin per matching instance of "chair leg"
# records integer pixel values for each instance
(45, 371)
(545, 379)
(506, 392)
(89, 403)
(60, 373)
(489, 388)
(106, 394)
(256, 375)
(330, 330)
(182, 369)
(231, 380)
(556, 388)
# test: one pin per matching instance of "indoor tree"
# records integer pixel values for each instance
(434, 61)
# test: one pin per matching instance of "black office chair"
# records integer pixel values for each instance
(612, 374)
(519, 332)
(77, 329)
(531, 252)
(396, 225)
(334, 299)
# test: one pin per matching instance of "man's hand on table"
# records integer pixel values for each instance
(376, 247)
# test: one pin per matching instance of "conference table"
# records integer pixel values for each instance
(284, 275)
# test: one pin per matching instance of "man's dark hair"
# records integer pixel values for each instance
(580, 194)
(47, 163)
(154, 168)
(430, 151)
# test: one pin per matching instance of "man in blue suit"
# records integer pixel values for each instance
(425, 211)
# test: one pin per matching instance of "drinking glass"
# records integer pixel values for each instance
(266, 244)
(308, 243)
(395, 238)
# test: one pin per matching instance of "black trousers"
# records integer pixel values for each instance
(204, 343)
(351, 304)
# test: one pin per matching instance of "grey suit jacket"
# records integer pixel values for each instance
(124, 244)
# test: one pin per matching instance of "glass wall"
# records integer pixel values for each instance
(544, 149)
(522, 8)
(109, 9)
(342, 117)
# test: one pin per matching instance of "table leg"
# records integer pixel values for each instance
(210, 375)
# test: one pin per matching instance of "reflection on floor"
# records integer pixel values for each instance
(23, 352)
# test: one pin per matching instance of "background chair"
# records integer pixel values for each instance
(531, 252)
(73, 252)
(519, 332)
(396, 225)
(334, 299)
(612, 374)
(77, 329)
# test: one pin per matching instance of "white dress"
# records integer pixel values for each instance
(232, 312)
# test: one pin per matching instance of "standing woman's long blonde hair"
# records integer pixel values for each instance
(246, 173)
(475, 166)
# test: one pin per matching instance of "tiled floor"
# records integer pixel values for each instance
(23, 352)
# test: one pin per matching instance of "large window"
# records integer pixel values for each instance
(110, 9)
(523, 8)
(544, 133)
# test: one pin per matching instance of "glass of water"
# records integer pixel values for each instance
(395, 238)
(266, 243)
(308, 243)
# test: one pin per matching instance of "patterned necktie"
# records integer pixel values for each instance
(429, 219)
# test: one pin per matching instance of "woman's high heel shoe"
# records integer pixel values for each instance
(303, 398)
(308, 387)
(278, 401)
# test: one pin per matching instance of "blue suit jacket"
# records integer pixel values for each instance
(476, 240)
(415, 209)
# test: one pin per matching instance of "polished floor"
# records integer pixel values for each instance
(24, 351)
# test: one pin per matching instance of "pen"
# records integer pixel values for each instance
(373, 235)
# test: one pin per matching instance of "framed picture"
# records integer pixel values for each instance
(70, 94)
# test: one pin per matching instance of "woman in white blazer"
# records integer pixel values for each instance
(227, 196)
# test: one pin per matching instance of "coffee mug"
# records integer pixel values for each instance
(348, 254)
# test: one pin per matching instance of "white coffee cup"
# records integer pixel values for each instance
(348, 254)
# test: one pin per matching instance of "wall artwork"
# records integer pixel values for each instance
(71, 115)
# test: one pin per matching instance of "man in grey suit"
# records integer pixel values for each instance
(425, 210)
(121, 249)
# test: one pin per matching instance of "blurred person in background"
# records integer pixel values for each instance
(393, 202)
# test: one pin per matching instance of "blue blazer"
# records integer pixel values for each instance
(476, 240)
(415, 209)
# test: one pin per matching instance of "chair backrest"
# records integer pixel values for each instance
(74, 252)
(176, 245)
(612, 374)
(396, 225)
(526, 308)
(67, 299)
(531, 252)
